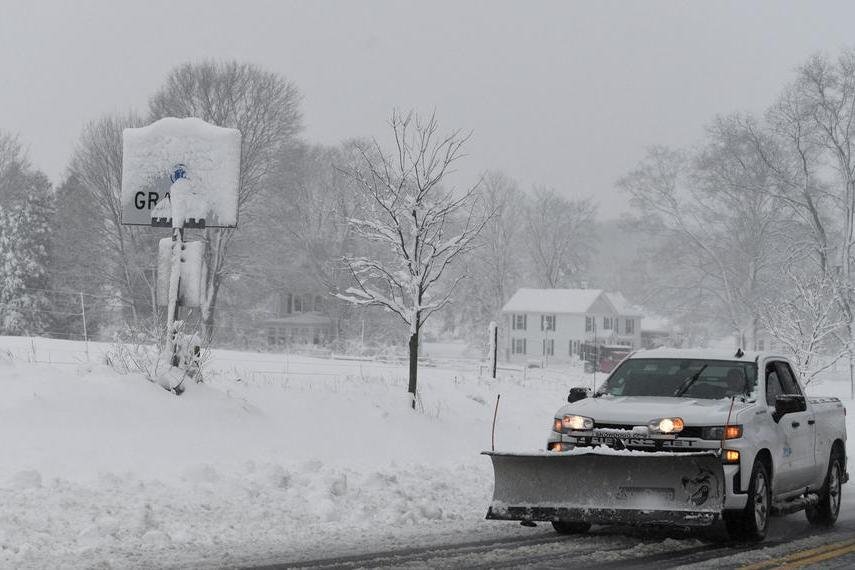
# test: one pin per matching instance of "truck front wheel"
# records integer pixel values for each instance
(750, 523)
(825, 512)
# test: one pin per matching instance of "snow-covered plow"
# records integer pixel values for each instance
(593, 486)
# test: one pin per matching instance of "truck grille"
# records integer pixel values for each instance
(688, 431)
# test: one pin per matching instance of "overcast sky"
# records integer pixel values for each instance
(561, 94)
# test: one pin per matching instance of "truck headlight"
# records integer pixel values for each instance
(577, 423)
(666, 425)
(722, 432)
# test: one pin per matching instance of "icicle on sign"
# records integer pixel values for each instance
(206, 155)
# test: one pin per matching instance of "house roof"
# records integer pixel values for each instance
(622, 306)
(552, 300)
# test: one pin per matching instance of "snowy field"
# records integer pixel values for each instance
(275, 457)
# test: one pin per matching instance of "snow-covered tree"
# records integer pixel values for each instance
(807, 321)
(808, 143)
(25, 214)
(420, 225)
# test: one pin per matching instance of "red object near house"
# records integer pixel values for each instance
(611, 357)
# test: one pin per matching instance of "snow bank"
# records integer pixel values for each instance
(274, 457)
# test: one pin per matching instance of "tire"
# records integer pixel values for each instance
(824, 513)
(568, 527)
(750, 524)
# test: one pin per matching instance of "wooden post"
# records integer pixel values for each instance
(494, 348)
(85, 335)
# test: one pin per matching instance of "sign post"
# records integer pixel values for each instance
(177, 177)
(180, 173)
(494, 348)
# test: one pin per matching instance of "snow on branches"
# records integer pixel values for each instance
(808, 323)
(420, 225)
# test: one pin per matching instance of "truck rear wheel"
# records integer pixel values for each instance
(825, 512)
(568, 527)
(750, 523)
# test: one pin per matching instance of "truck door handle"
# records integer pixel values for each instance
(796, 424)
(811, 422)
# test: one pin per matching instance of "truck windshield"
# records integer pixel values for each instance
(676, 378)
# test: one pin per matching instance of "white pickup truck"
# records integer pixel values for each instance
(686, 438)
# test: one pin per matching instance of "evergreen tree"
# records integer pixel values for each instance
(25, 215)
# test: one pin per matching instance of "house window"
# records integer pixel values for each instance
(548, 347)
(759, 344)
(630, 326)
(519, 322)
(518, 346)
(589, 324)
(547, 322)
(607, 323)
(298, 304)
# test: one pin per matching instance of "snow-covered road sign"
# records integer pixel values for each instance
(191, 288)
(157, 155)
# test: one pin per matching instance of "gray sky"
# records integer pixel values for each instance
(562, 94)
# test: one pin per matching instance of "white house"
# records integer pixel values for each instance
(552, 325)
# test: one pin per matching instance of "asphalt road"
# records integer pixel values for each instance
(790, 543)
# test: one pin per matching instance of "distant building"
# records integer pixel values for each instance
(301, 320)
(555, 325)
(658, 331)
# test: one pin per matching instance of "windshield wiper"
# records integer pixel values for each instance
(687, 383)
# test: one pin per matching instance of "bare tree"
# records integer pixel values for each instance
(310, 233)
(263, 106)
(807, 144)
(560, 236)
(420, 226)
(95, 179)
(720, 234)
(498, 264)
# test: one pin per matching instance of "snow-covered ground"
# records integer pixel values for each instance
(274, 457)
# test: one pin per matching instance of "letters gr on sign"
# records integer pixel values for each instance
(147, 200)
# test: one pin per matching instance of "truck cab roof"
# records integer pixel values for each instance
(706, 354)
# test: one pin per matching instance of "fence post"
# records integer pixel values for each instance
(85, 334)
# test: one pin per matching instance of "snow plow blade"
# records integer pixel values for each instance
(674, 489)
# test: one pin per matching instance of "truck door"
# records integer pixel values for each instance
(782, 479)
(802, 430)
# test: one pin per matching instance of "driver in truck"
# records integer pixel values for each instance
(735, 380)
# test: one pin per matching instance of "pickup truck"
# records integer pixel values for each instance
(781, 451)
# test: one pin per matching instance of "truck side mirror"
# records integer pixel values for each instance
(788, 404)
(578, 393)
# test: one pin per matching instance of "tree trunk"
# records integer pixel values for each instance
(208, 315)
(851, 351)
(414, 367)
